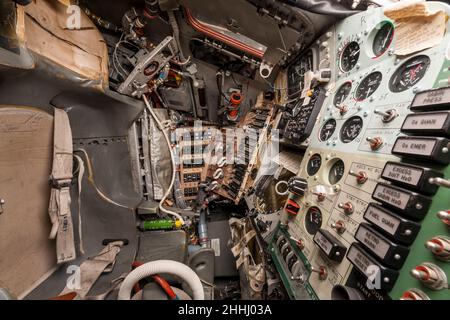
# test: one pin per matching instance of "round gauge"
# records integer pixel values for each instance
(349, 56)
(336, 172)
(314, 164)
(383, 38)
(368, 86)
(342, 93)
(327, 130)
(313, 220)
(351, 129)
(409, 73)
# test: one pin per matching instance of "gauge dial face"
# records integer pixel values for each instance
(327, 130)
(314, 164)
(409, 73)
(368, 86)
(349, 56)
(336, 172)
(383, 39)
(313, 220)
(351, 129)
(342, 93)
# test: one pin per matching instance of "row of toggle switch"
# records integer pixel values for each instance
(425, 180)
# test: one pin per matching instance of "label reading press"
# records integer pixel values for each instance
(391, 196)
(381, 219)
(422, 147)
(402, 173)
(432, 99)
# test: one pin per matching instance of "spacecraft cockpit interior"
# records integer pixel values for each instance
(224, 150)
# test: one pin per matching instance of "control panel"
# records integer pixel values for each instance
(374, 222)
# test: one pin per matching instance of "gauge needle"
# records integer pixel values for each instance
(368, 92)
(354, 53)
(387, 37)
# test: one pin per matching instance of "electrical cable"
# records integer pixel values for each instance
(91, 180)
(174, 169)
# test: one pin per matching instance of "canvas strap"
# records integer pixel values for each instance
(61, 178)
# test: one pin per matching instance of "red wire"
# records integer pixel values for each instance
(158, 279)
(165, 286)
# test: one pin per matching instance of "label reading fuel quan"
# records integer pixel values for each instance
(411, 176)
(396, 227)
(408, 203)
(429, 148)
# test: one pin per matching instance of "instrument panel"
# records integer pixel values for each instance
(370, 207)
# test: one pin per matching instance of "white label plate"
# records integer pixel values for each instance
(414, 146)
(432, 97)
(323, 242)
(422, 121)
(359, 259)
(402, 173)
(392, 196)
(372, 241)
(383, 220)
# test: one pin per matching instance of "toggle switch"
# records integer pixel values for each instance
(375, 143)
(342, 110)
(347, 207)
(430, 275)
(444, 216)
(299, 242)
(388, 115)
(439, 182)
(321, 271)
(361, 176)
(414, 294)
(339, 226)
(440, 247)
(320, 196)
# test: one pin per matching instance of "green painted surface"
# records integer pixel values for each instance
(431, 226)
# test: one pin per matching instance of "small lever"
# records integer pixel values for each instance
(439, 182)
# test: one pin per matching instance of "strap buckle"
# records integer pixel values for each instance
(60, 183)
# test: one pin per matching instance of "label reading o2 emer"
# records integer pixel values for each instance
(423, 147)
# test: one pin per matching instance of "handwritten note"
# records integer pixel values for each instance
(406, 9)
(416, 28)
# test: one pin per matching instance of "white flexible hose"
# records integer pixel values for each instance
(162, 266)
(277, 186)
(172, 159)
